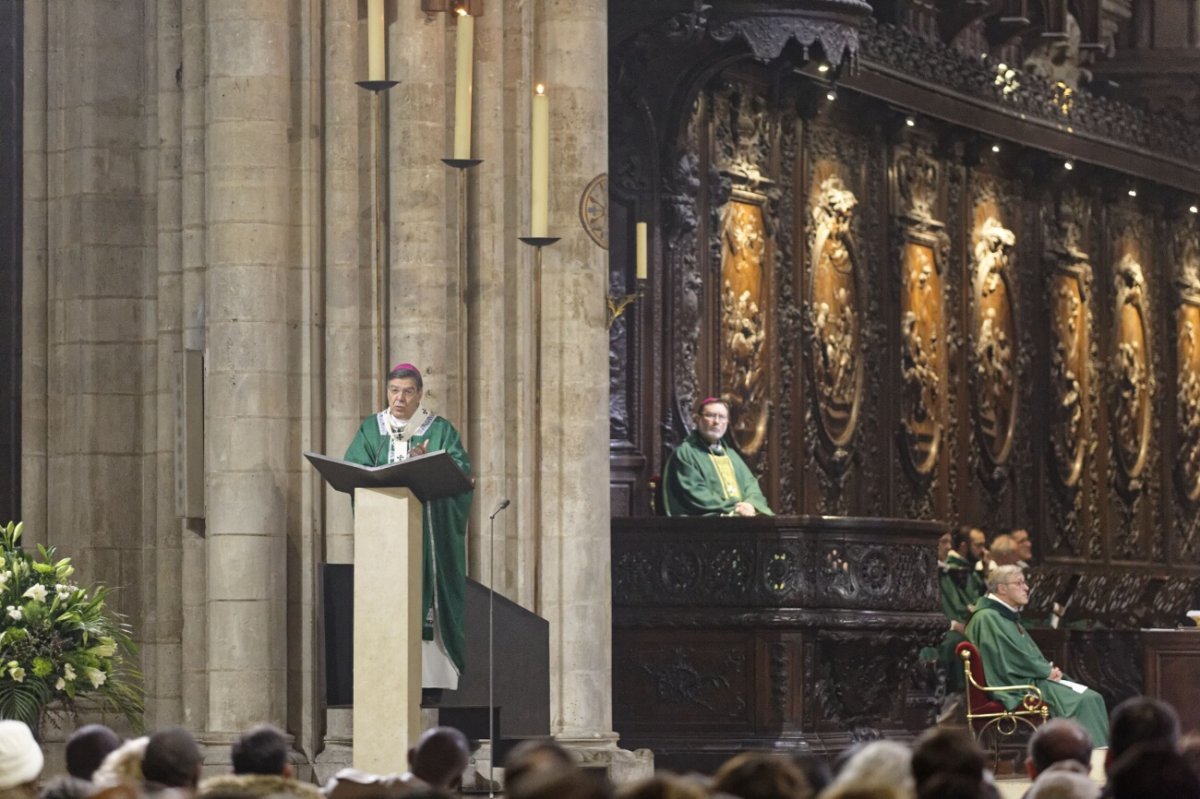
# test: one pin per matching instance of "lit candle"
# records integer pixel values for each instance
(641, 250)
(376, 42)
(540, 170)
(464, 64)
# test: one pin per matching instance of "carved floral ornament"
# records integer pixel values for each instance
(993, 368)
(1133, 383)
(834, 313)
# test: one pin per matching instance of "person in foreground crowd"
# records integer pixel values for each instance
(87, 747)
(21, 761)
(406, 429)
(260, 769)
(878, 764)
(705, 476)
(758, 775)
(1059, 760)
(1010, 657)
(948, 763)
(436, 763)
(1152, 770)
(171, 763)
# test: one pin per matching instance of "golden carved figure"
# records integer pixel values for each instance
(992, 348)
(743, 327)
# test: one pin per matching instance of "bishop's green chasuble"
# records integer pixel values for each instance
(443, 523)
(699, 480)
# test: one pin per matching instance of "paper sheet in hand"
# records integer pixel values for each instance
(1074, 686)
(429, 476)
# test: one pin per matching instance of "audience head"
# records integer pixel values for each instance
(664, 785)
(20, 757)
(854, 790)
(755, 775)
(1141, 720)
(440, 757)
(557, 782)
(816, 770)
(979, 549)
(87, 747)
(951, 786)
(946, 752)
(1189, 747)
(960, 540)
(1055, 741)
(1008, 583)
(1004, 551)
(532, 757)
(1024, 544)
(879, 763)
(1152, 770)
(262, 749)
(1055, 784)
(172, 759)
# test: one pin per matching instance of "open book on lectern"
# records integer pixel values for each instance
(429, 476)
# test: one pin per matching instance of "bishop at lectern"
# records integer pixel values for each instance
(402, 430)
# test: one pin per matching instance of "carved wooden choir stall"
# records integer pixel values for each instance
(930, 285)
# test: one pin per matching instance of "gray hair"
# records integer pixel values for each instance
(1001, 575)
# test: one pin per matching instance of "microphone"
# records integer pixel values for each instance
(504, 503)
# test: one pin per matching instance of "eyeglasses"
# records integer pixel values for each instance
(1017, 582)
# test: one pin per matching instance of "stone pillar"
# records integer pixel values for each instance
(575, 558)
(161, 653)
(423, 292)
(249, 401)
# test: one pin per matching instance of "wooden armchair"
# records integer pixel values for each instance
(985, 713)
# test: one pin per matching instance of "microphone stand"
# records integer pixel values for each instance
(491, 646)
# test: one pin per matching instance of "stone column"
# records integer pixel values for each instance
(248, 398)
(423, 292)
(575, 559)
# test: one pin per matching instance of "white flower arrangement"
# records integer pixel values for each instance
(52, 633)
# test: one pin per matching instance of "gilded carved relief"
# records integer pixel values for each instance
(922, 312)
(1187, 326)
(1070, 319)
(834, 312)
(743, 339)
(993, 336)
(1131, 371)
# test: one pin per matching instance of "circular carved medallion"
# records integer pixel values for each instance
(593, 210)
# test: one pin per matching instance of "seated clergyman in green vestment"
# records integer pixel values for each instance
(962, 587)
(1011, 657)
(706, 477)
(403, 430)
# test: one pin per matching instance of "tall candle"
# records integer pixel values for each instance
(641, 250)
(376, 41)
(539, 190)
(464, 67)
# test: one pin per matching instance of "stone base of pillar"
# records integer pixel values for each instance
(600, 750)
(338, 750)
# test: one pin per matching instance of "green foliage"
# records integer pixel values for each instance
(59, 642)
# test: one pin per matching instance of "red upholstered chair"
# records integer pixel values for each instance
(986, 714)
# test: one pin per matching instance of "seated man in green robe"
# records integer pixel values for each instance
(705, 476)
(962, 587)
(406, 429)
(1010, 656)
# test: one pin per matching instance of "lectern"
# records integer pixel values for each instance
(387, 595)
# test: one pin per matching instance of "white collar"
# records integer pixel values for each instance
(995, 598)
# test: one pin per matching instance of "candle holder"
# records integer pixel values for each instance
(619, 304)
(539, 241)
(462, 163)
(376, 85)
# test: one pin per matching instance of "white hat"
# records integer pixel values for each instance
(20, 757)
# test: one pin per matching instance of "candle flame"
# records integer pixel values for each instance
(461, 11)
(541, 89)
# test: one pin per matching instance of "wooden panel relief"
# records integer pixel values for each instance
(1132, 379)
(835, 315)
(993, 337)
(922, 351)
(743, 348)
(922, 313)
(1187, 333)
(1070, 321)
